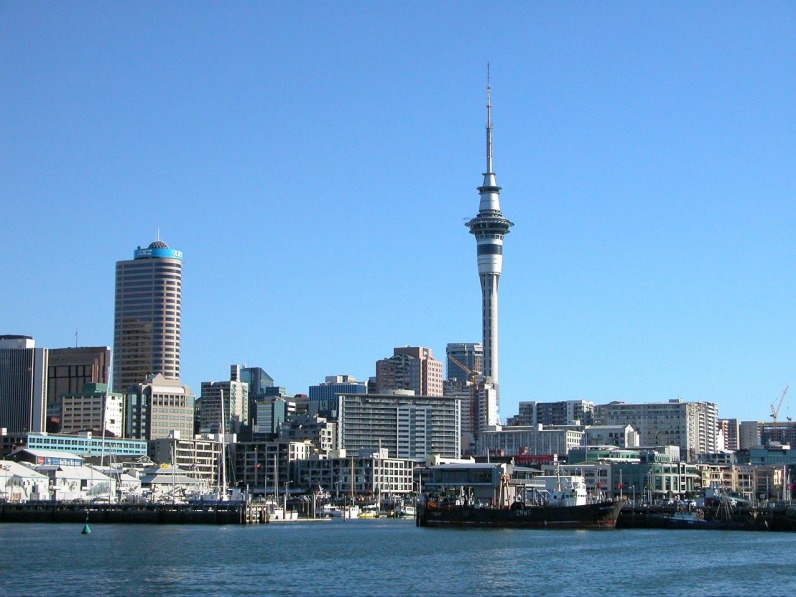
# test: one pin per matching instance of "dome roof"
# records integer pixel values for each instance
(158, 244)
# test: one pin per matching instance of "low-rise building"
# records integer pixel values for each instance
(198, 456)
(368, 472)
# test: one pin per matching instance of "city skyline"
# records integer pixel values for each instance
(316, 166)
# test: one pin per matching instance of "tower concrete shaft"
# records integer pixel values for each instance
(489, 227)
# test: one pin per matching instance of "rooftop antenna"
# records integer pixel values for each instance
(76, 330)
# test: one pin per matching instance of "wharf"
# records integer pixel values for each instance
(781, 517)
(150, 513)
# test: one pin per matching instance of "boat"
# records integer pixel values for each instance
(369, 512)
(275, 512)
(491, 498)
(333, 511)
(598, 515)
(406, 511)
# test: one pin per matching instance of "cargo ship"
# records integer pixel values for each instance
(484, 496)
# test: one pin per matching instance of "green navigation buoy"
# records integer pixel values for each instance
(86, 529)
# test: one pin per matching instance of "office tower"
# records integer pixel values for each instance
(23, 385)
(158, 407)
(464, 360)
(146, 338)
(69, 369)
(92, 409)
(259, 384)
(235, 396)
(489, 227)
(410, 368)
(323, 397)
(272, 412)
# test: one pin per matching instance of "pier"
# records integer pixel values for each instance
(151, 513)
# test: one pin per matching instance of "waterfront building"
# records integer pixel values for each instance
(148, 315)
(691, 425)
(88, 445)
(365, 472)
(198, 456)
(92, 409)
(408, 426)
(655, 479)
(169, 482)
(465, 360)
(489, 228)
(509, 441)
(157, 407)
(268, 467)
(411, 368)
(20, 483)
(323, 397)
(637, 474)
(69, 369)
(235, 396)
(68, 477)
(23, 385)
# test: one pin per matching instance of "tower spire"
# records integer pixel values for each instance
(489, 227)
(488, 120)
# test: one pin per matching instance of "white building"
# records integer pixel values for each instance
(68, 478)
(512, 441)
(621, 436)
(408, 426)
(20, 483)
(235, 396)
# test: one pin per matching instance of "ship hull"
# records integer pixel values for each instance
(602, 515)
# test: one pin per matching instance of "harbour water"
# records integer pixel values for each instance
(388, 557)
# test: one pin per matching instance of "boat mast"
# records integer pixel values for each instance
(222, 469)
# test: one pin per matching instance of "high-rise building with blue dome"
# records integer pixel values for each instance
(148, 313)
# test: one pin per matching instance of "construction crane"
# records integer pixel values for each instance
(775, 411)
(465, 368)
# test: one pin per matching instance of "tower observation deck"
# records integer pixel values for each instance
(489, 227)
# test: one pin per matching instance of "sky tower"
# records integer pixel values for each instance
(489, 228)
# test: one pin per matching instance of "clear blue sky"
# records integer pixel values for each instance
(316, 162)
